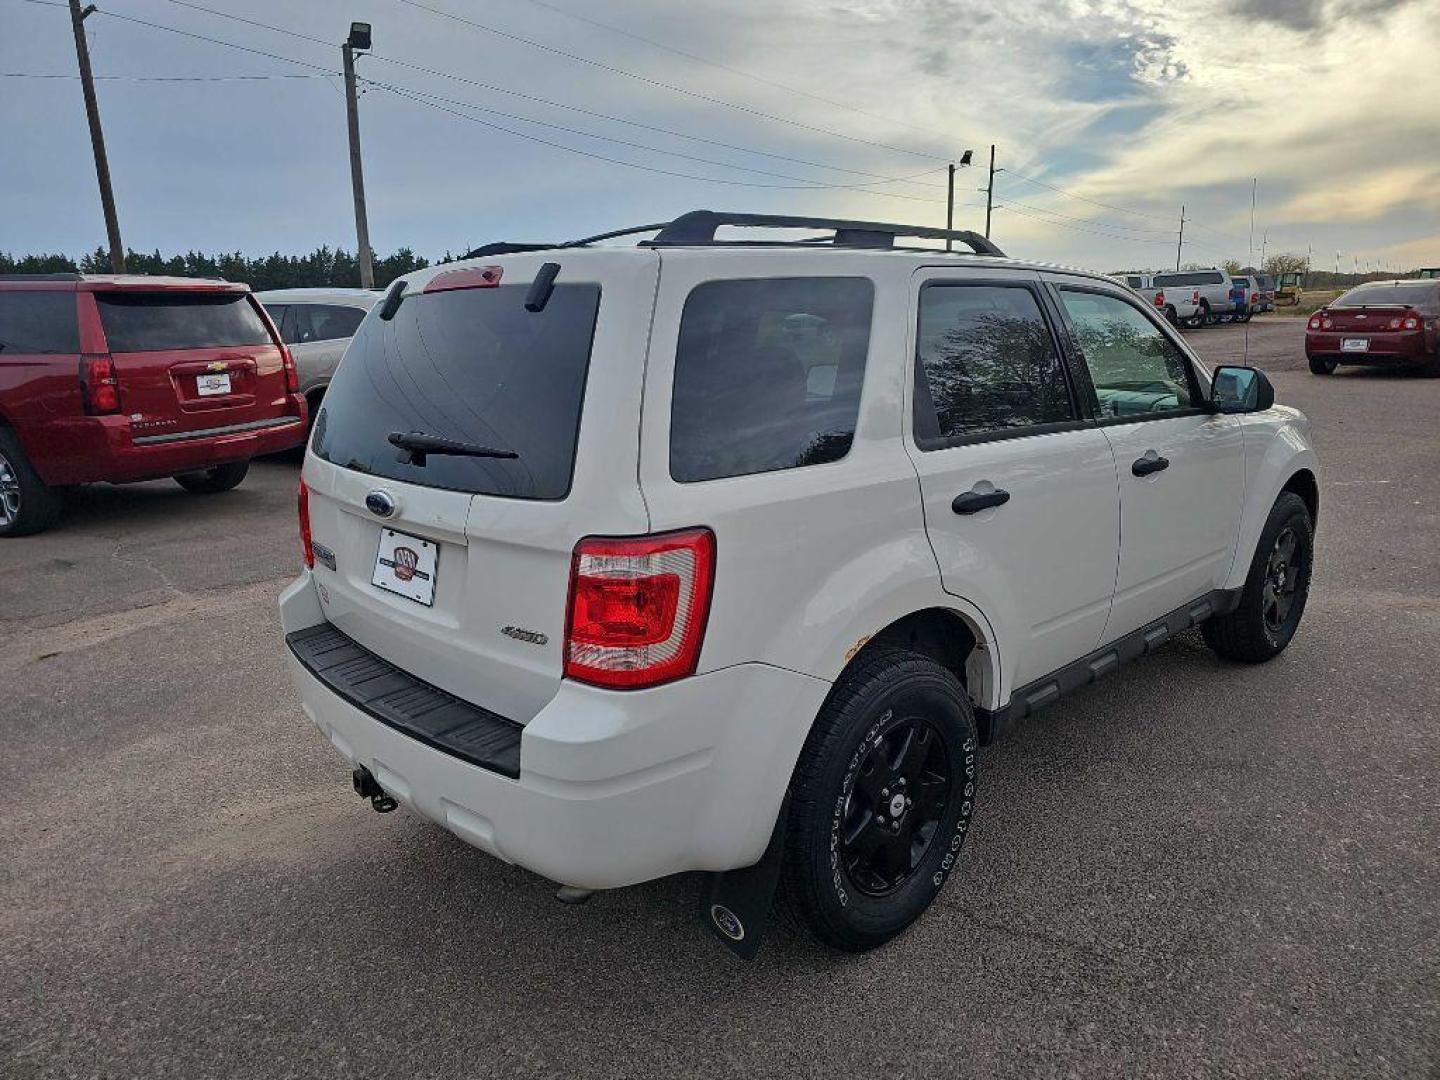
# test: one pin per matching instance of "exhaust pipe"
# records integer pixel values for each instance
(367, 787)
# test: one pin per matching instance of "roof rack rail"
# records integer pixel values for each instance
(697, 228)
(64, 275)
(506, 248)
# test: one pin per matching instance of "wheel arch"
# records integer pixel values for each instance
(1303, 483)
(959, 640)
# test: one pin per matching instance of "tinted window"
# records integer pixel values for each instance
(325, 322)
(1171, 280)
(474, 366)
(1134, 366)
(149, 321)
(38, 322)
(986, 362)
(277, 313)
(768, 374)
(1244, 283)
(1416, 295)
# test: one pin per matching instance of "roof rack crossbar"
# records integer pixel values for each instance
(698, 227)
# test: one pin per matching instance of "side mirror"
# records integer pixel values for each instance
(1240, 390)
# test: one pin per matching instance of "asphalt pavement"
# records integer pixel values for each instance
(1194, 868)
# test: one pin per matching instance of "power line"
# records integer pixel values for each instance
(422, 100)
(427, 98)
(664, 85)
(732, 70)
(877, 177)
(157, 78)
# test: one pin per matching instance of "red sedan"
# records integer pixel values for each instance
(1380, 322)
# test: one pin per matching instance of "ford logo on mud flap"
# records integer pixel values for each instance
(380, 504)
(727, 922)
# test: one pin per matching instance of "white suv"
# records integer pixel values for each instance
(726, 555)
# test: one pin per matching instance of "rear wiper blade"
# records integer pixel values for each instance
(416, 445)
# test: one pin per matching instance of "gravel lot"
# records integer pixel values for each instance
(1191, 869)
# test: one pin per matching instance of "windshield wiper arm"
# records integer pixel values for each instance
(416, 445)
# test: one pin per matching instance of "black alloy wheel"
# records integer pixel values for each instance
(894, 808)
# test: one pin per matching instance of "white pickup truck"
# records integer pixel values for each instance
(1180, 305)
(1210, 287)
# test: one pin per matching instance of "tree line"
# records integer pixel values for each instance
(324, 267)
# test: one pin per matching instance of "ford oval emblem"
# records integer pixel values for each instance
(380, 504)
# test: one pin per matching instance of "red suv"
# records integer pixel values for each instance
(125, 378)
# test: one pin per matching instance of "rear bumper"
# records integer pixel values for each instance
(614, 787)
(1409, 348)
(88, 449)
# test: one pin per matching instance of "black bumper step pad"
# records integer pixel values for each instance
(407, 704)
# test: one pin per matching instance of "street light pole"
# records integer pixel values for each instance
(97, 136)
(950, 200)
(359, 40)
(1180, 240)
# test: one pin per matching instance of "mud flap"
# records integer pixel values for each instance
(736, 904)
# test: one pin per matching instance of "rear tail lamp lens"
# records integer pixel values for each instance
(307, 544)
(292, 376)
(1159, 299)
(1411, 323)
(100, 385)
(638, 608)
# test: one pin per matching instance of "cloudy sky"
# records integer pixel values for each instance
(546, 119)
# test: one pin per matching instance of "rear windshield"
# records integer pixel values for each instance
(475, 367)
(1416, 295)
(38, 322)
(151, 321)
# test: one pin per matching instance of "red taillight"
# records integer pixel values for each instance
(292, 376)
(307, 545)
(638, 607)
(99, 384)
(1159, 299)
(476, 277)
(1411, 322)
(1195, 296)
(1314, 323)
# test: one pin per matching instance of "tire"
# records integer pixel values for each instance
(1265, 621)
(897, 733)
(1322, 365)
(27, 505)
(214, 480)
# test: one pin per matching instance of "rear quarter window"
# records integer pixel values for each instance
(768, 375)
(37, 321)
(155, 321)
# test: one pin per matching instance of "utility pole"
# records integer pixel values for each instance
(97, 136)
(1264, 243)
(1180, 240)
(950, 208)
(990, 191)
(359, 40)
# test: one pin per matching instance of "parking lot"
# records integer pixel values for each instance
(1191, 867)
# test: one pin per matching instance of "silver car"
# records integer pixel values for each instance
(317, 324)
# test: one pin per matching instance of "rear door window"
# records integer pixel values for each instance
(472, 366)
(986, 363)
(768, 375)
(326, 322)
(1421, 295)
(154, 321)
(38, 321)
